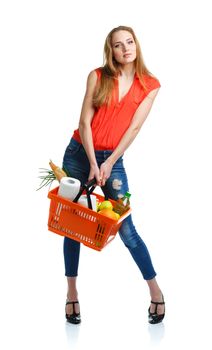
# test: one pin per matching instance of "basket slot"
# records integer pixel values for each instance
(57, 212)
(99, 233)
(100, 228)
(82, 238)
(98, 238)
(82, 214)
(59, 208)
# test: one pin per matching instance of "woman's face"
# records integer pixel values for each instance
(124, 47)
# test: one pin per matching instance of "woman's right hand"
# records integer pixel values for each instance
(95, 173)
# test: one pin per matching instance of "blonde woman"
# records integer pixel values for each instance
(118, 99)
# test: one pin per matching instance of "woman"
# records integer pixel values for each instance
(117, 101)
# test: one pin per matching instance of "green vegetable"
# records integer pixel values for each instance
(47, 177)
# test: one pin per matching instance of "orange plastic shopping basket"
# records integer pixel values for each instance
(80, 223)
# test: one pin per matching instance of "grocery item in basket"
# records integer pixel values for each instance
(106, 204)
(109, 213)
(83, 200)
(122, 204)
(58, 172)
(69, 187)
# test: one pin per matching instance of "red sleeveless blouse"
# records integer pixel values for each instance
(109, 123)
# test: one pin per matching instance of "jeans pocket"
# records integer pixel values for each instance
(73, 148)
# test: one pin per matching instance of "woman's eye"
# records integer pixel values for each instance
(130, 42)
(117, 45)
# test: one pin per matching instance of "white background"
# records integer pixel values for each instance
(47, 50)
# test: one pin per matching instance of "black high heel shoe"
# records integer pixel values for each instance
(74, 318)
(154, 318)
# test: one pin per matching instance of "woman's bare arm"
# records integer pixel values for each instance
(86, 117)
(136, 124)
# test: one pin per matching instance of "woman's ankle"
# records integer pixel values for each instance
(72, 295)
(156, 295)
(154, 289)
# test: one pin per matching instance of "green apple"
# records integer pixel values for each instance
(106, 205)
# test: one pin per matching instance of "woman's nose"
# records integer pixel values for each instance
(124, 48)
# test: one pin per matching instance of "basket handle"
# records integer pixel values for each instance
(88, 187)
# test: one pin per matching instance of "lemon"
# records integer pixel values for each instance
(106, 205)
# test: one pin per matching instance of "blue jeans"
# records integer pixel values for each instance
(76, 164)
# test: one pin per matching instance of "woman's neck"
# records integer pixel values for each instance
(127, 70)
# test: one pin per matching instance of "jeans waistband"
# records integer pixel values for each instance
(104, 153)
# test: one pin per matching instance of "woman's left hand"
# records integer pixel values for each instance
(105, 171)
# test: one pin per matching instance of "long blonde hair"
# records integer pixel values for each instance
(111, 69)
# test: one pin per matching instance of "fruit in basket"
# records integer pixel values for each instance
(117, 216)
(97, 204)
(106, 205)
(109, 213)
